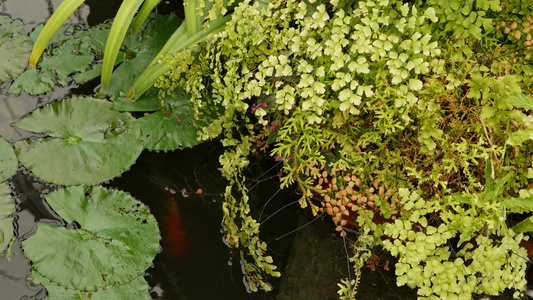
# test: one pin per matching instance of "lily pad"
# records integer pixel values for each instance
(86, 143)
(71, 53)
(8, 161)
(167, 132)
(15, 48)
(112, 239)
(76, 53)
(7, 207)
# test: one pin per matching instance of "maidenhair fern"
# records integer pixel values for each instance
(383, 110)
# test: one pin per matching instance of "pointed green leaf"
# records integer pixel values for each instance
(178, 41)
(112, 241)
(524, 226)
(121, 23)
(145, 10)
(58, 18)
(87, 142)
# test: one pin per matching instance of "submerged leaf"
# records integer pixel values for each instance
(7, 207)
(87, 142)
(8, 161)
(14, 48)
(116, 239)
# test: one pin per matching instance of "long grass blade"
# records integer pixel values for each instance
(192, 19)
(116, 36)
(58, 18)
(150, 75)
(146, 8)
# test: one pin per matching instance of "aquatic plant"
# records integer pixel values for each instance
(407, 123)
(367, 103)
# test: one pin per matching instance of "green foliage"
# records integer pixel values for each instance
(76, 55)
(110, 240)
(419, 98)
(410, 121)
(12, 41)
(92, 143)
(7, 208)
(429, 262)
(8, 160)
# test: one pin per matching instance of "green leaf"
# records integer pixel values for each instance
(520, 136)
(167, 132)
(178, 41)
(8, 161)
(143, 13)
(14, 48)
(33, 83)
(489, 182)
(137, 289)
(501, 183)
(73, 50)
(148, 102)
(115, 241)
(520, 101)
(524, 203)
(120, 25)
(524, 226)
(87, 142)
(7, 207)
(65, 63)
(58, 18)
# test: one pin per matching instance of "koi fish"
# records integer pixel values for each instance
(172, 229)
(175, 233)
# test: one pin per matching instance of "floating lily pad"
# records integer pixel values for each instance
(76, 53)
(71, 52)
(8, 161)
(112, 240)
(7, 207)
(15, 48)
(167, 132)
(137, 289)
(87, 142)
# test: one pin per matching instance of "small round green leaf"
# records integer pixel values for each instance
(115, 241)
(87, 142)
(7, 207)
(8, 161)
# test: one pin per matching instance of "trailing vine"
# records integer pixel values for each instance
(398, 120)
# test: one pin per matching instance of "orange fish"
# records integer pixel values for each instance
(173, 231)
(175, 234)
